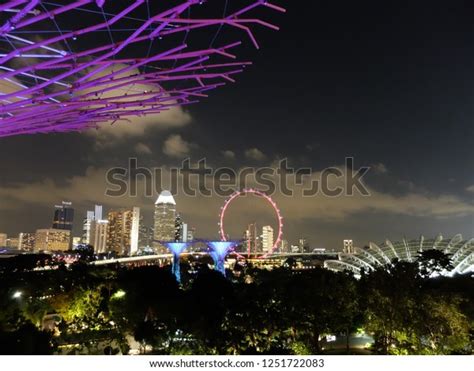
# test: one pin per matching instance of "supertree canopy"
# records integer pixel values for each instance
(68, 65)
(176, 248)
(219, 251)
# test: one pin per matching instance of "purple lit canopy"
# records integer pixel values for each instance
(74, 64)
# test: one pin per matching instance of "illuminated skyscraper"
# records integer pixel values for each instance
(123, 228)
(87, 227)
(303, 245)
(13, 242)
(181, 230)
(284, 246)
(99, 234)
(52, 239)
(27, 241)
(3, 239)
(145, 237)
(252, 241)
(165, 217)
(267, 238)
(348, 247)
(63, 216)
(178, 228)
(191, 233)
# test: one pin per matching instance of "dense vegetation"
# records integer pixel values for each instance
(97, 310)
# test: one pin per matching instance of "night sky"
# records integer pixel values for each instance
(389, 83)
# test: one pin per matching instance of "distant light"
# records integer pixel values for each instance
(119, 294)
(17, 295)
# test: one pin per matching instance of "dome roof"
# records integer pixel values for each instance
(460, 251)
(165, 197)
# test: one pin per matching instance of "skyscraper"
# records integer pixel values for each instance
(284, 246)
(63, 216)
(252, 241)
(145, 236)
(267, 238)
(99, 234)
(13, 242)
(87, 227)
(303, 245)
(123, 228)
(191, 233)
(26, 241)
(165, 217)
(52, 239)
(348, 247)
(3, 239)
(178, 228)
(181, 230)
(184, 233)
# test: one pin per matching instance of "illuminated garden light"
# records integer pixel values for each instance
(17, 295)
(176, 248)
(73, 65)
(119, 294)
(219, 251)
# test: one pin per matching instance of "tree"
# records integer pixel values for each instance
(147, 296)
(433, 262)
(405, 316)
(206, 305)
(388, 297)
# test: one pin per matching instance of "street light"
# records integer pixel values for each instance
(17, 295)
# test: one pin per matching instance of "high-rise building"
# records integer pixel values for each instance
(63, 216)
(165, 217)
(98, 212)
(303, 245)
(145, 237)
(52, 239)
(348, 247)
(191, 233)
(13, 242)
(181, 230)
(252, 242)
(99, 234)
(123, 228)
(26, 241)
(184, 233)
(86, 227)
(267, 238)
(178, 228)
(91, 216)
(3, 239)
(284, 246)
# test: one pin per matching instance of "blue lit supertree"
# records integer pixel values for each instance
(219, 251)
(176, 249)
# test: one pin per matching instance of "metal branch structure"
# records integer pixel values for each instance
(71, 65)
(176, 248)
(219, 251)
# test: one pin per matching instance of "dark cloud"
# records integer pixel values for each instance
(389, 84)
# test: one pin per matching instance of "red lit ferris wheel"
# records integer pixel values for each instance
(268, 199)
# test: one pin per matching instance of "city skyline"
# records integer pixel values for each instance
(378, 97)
(194, 180)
